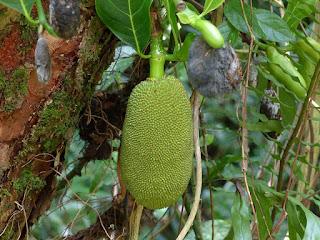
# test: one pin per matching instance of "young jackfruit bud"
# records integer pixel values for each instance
(213, 72)
(43, 61)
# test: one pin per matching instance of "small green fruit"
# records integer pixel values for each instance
(209, 32)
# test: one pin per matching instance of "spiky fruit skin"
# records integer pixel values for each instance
(157, 143)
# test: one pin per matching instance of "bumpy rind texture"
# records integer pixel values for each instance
(157, 143)
(65, 17)
(213, 72)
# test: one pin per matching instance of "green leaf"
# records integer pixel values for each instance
(297, 10)
(16, 5)
(97, 179)
(187, 16)
(240, 218)
(171, 13)
(220, 165)
(268, 126)
(209, 140)
(229, 32)
(210, 5)
(192, 8)
(299, 216)
(222, 225)
(183, 53)
(233, 12)
(298, 171)
(263, 214)
(274, 28)
(288, 107)
(312, 231)
(294, 225)
(129, 20)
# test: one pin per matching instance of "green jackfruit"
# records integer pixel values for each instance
(157, 142)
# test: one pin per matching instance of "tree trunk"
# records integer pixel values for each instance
(37, 121)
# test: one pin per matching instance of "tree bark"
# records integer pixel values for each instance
(37, 121)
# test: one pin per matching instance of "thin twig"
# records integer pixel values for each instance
(181, 212)
(298, 148)
(258, 202)
(297, 127)
(196, 201)
(303, 201)
(166, 224)
(311, 153)
(300, 125)
(20, 207)
(89, 198)
(204, 131)
(77, 196)
(246, 20)
(244, 114)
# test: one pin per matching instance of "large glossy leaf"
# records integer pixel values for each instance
(240, 218)
(299, 216)
(222, 225)
(234, 14)
(274, 28)
(312, 231)
(210, 5)
(229, 32)
(16, 4)
(171, 13)
(220, 165)
(266, 25)
(297, 10)
(129, 20)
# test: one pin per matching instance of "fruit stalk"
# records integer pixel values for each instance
(209, 32)
(158, 55)
(43, 19)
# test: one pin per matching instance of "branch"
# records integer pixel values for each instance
(134, 227)
(195, 205)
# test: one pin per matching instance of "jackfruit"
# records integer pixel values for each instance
(157, 142)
